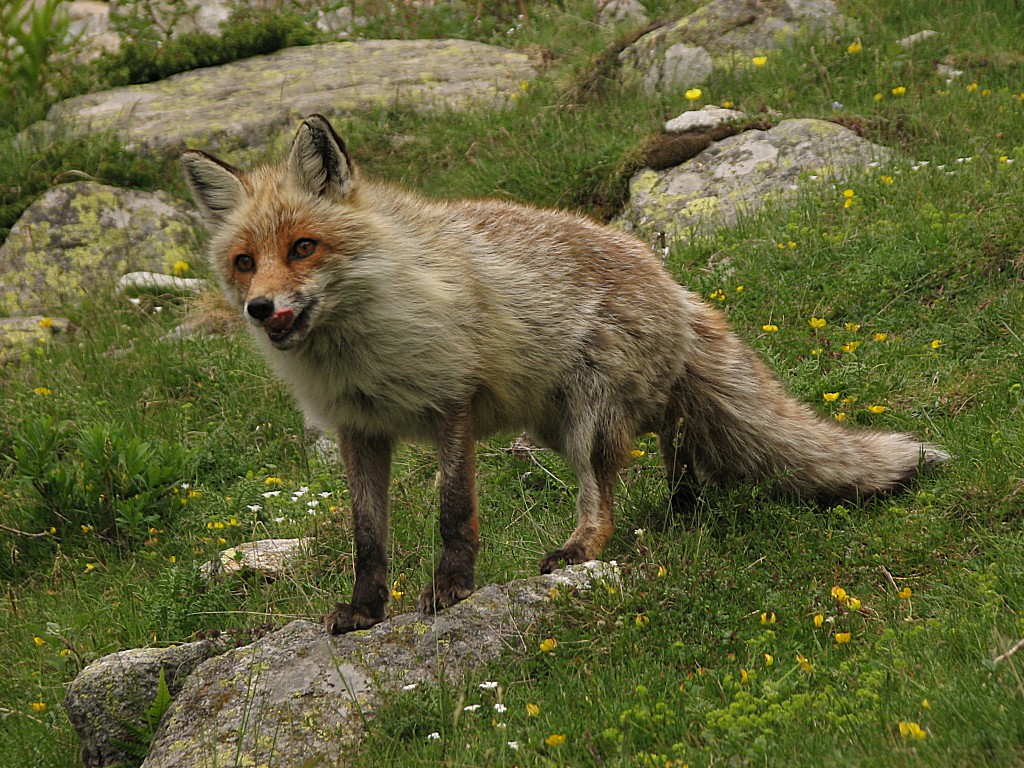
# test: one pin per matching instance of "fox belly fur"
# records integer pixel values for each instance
(392, 317)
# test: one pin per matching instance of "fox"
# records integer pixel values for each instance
(394, 317)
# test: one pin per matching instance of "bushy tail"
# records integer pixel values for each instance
(736, 422)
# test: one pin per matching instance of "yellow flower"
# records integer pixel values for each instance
(180, 267)
(986, 92)
(770, 328)
(38, 640)
(38, 706)
(804, 663)
(936, 343)
(43, 391)
(728, 104)
(876, 408)
(768, 617)
(905, 593)
(662, 571)
(899, 90)
(46, 322)
(744, 676)
(840, 416)
(972, 87)
(718, 294)
(878, 96)
(759, 61)
(830, 397)
(90, 567)
(274, 481)
(854, 604)
(854, 47)
(642, 620)
(548, 644)
(850, 346)
(852, 327)
(768, 659)
(887, 179)
(532, 710)
(65, 652)
(636, 453)
(842, 637)
(818, 322)
(911, 730)
(926, 704)
(848, 193)
(1002, 159)
(839, 594)
(880, 336)
(739, 289)
(555, 740)
(693, 94)
(818, 620)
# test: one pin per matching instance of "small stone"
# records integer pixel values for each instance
(917, 37)
(699, 119)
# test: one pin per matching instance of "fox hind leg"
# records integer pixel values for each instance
(368, 468)
(460, 529)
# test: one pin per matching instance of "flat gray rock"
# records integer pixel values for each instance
(79, 238)
(254, 103)
(738, 174)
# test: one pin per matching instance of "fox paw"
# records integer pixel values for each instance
(570, 555)
(446, 590)
(346, 618)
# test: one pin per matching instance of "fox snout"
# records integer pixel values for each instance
(284, 325)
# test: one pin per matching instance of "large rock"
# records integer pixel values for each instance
(79, 238)
(254, 102)
(299, 696)
(739, 174)
(682, 53)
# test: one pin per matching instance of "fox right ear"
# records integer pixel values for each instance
(216, 186)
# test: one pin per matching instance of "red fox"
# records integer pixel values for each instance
(393, 317)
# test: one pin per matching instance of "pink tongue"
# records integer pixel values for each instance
(281, 320)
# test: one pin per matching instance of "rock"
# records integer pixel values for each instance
(947, 71)
(160, 283)
(76, 238)
(611, 12)
(738, 174)
(916, 38)
(699, 119)
(89, 29)
(299, 696)
(268, 558)
(254, 102)
(107, 702)
(20, 334)
(722, 29)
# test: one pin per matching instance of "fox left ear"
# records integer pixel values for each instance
(319, 161)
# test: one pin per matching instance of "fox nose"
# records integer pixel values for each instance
(260, 308)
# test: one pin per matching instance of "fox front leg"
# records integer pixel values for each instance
(368, 467)
(460, 529)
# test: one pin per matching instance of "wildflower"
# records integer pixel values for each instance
(850, 346)
(854, 47)
(396, 594)
(817, 350)
(89, 567)
(986, 91)
(173, 558)
(65, 652)
(180, 267)
(830, 397)
(880, 336)
(899, 90)
(768, 659)
(46, 322)
(818, 322)
(43, 391)
(887, 179)
(926, 704)
(718, 295)
(768, 617)
(839, 416)
(636, 453)
(548, 645)
(770, 328)
(642, 620)
(804, 663)
(739, 289)
(270, 494)
(853, 604)
(38, 706)
(532, 710)
(512, 744)
(842, 637)
(876, 408)
(839, 594)
(972, 87)
(488, 685)
(273, 481)
(662, 571)
(555, 740)
(852, 327)
(433, 736)
(693, 94)
(500, 708)
(728, 104)
(911, 730)
(253, 507)
(936, 343)
(744, 676)
(905, 593)
(848, 193)
(878, 96)
(818, 620)
(471, 708)
(38, 640)
(759, 61)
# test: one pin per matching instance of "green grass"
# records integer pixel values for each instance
(679, 661)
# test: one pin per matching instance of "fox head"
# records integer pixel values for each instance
(281, 234)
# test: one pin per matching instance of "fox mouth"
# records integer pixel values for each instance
(286, 327)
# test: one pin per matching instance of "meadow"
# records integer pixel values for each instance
(757, 631)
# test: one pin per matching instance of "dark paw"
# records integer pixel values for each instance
(568, 555)
(346, 618)
(446, 590)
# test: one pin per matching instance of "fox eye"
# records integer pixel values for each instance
(303, 248)
(245, 263)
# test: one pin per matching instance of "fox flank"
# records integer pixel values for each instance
(392, 317)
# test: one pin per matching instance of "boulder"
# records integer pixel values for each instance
(78, 238)
(739, 174)
(252, 104)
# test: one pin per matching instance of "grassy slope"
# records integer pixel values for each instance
(681, 661)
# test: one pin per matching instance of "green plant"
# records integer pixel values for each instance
(30, 36)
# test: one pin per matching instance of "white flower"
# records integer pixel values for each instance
(325, 494)
(271, 494)
(500, 708)
(471, 708)
(253, 507)
(410, 687)
(433, 736)
(488, 685)
(513, 745)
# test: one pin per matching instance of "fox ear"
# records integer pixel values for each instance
(319, 161)
(216, 186)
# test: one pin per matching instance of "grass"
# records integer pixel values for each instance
(707, 649)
